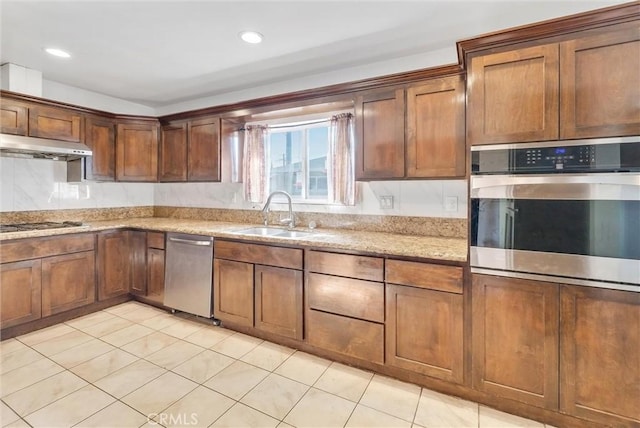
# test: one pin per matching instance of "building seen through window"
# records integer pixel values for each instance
(297, 161)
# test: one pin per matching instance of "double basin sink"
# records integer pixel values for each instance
(273, 231)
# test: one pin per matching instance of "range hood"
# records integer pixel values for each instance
(42, 148)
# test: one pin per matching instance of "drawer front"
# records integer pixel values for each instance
(35, 248)
(259, 254)
(347, 336)
(361, 267)
(425, 275)
(351, 297)
(155, 240)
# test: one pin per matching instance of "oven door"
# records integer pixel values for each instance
(576, 229)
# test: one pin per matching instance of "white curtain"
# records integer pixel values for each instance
(341, 152)
(254, 163)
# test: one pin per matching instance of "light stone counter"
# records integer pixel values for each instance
(379, 243)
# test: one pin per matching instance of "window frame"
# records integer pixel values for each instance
(305, 127)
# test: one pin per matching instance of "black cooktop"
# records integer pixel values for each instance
(21, 227)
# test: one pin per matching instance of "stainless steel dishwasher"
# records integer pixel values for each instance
(189, 273)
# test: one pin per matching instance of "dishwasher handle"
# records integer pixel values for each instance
(191, 242)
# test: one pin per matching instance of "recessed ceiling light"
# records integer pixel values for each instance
(57, 52)
(251, 37)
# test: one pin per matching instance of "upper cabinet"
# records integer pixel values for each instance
(34, 120)
(600, 85)
(417, 132)
(513, 96)
(190, 151)
(13, 118)
(581, 88)
(56, 123)
(380, 135)
(100, 136)
(435, 140)
(137, 151)
(173, 153)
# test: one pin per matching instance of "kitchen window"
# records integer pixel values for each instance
(298, 161)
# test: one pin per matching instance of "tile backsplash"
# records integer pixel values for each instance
(423, 198)
(34, 184)
(38, 184)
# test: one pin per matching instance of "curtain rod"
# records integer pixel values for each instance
(292, 125)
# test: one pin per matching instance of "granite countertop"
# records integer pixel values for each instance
(385, 244)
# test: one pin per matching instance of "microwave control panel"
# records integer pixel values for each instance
(619, 157)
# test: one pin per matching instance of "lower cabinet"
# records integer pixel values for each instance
(138, 260)
(345, 315)
(599, 355)
(20, 292)
(278, 301)
(424, 308)
(114, 267)
(155, 266)
(233, 291)
(40, 277)
(424, 332)
(258, 286)
(68, 282)
(515, 339)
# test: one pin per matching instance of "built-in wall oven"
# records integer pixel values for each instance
(565, 212)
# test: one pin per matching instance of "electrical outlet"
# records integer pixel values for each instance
(451, 203)
(386, 202)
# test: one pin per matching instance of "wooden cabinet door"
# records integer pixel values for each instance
(68, 281)
(20, 292)
(101, 137)
(515, 339)
(13, 118)
(56, 123)
(137, 152)
(513, 96)
(114, 264)
(424, 331)
(380, 135)
(278, 301)
(600, 81)
(138, 259)
(600, 358)
(233, 291)
(155, 274)
(436, 129)
(173, 153)
(204, 150)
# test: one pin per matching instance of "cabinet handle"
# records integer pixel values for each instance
(190, 242)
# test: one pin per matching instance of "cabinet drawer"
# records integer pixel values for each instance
(345, 296)
(259, 254)
(361, 267)
(34, 248)
(347, 336)
(425, 275)
(155, 240)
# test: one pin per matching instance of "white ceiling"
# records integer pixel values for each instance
(159, 53)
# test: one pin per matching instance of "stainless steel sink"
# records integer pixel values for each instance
(293, 234)
(262, 231)
(273, 231)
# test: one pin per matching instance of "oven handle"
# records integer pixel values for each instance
(617, 187)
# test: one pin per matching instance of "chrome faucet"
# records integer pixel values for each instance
(291, 221)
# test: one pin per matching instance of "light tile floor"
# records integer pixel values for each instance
(134, 365)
